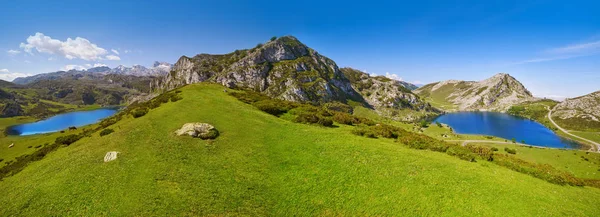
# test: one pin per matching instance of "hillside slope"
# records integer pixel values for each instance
(497, 93)
(580, 113)
(262, 165)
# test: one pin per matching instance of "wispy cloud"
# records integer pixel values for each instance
(591, 47)
(13, 52)
(566, 52)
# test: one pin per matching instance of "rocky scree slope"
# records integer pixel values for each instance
(287, 69)
(497, 93)
(585, 108)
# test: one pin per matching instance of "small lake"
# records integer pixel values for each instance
(505, 126)
(62, 122)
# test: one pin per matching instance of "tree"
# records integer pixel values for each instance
(514, 140)
(273, 38)
(438, 124)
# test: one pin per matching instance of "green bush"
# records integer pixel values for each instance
(139, 113)
(274, 107)
(461, 152)
(494, 149)
(510, 151)
(106, 132)
(68, 140)
(484, 152)
(273, 38)
(175, 98)
(338, 107)
(345, 118)
(212, 134)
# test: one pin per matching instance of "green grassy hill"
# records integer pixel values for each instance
(263, 165)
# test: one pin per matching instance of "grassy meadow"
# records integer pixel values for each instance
(262, 165)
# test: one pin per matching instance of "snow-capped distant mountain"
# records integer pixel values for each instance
(157, 69)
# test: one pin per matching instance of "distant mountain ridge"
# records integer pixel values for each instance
(158, 69)
(497, 93)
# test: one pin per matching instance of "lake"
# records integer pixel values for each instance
(62, 122)
(505, 126)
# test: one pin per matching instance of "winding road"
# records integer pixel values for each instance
(567, 132)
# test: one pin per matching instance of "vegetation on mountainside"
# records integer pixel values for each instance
(20, 162)
(44, 98)
(536, 110)
(262, 165)
(585, 165)
(318, 115)
(578, 123)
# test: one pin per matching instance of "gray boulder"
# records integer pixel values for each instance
(198, 130)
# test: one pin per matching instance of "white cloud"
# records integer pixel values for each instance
(51, 58)
(126, 51)
(73, 67)
(115, 51)
(393, 76)
(417, 82)
(78, 48)
(13, 52)
(88, 65)
(99, 65)
(9, 76)
(112, 57)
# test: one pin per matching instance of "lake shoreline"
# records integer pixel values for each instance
(504, 128)
(13, 131)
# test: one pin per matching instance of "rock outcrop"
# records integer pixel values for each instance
(283, 68)
(383, 92)
(198, 130)
(497, 93)
(584, 107)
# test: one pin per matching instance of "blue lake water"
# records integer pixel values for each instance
(505, 126)
(62, 122)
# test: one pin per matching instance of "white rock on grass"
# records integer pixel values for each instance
(110, 156)
(199, 130)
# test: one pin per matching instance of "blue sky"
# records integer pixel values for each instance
(552, 47)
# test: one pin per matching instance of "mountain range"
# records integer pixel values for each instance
(157, 69)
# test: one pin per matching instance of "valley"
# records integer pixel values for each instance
(295, 133)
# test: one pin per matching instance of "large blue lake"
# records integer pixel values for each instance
(505, 126)
(62, 122)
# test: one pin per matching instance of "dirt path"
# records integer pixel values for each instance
(567, 132)
(465, 142)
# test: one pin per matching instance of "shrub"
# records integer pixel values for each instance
(510, 151)
(139, 113)
(1, 159)
(67, 140)
(212, 134)
(338, 107)
(484, 152)
(273, 38)
(29, 146)
(327, 122)
(494, 149)
(438, 124)
(461, 152)
(541, 171)
(424, 124)
(175, 98)
(106, 132)
(273, 107)
(38, 146)
(345, 118)
(362, 131)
